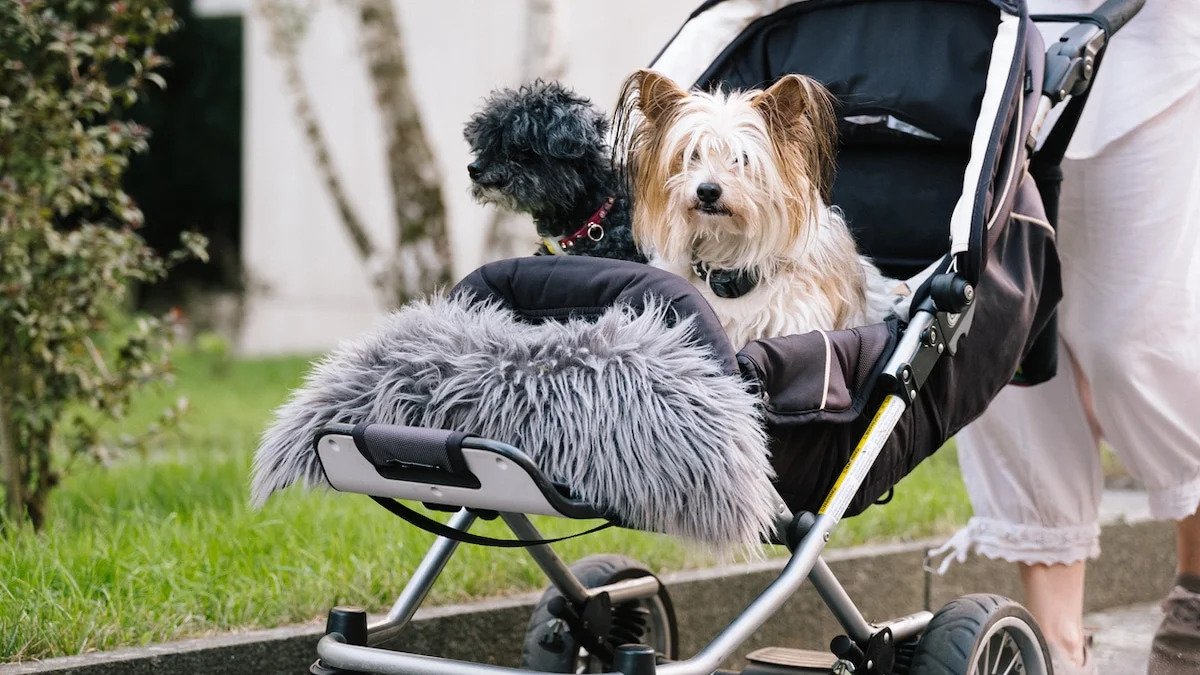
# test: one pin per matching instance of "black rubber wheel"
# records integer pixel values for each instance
(549, 646)
(982, 635)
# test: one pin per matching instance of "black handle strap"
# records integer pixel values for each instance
(1117, 13)
(417, 519)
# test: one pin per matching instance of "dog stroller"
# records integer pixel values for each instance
(586, 388)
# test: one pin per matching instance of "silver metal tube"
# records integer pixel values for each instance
(839, 602)
(783, 518)
(630, 589)
(869, 446)
(334, 652)
(910, 342)
(909, 626)
(1039, 116)
(807, 554)
(762, 608)
(545, 557)
(421, 582)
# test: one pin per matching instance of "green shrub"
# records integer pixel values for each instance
(69, 248)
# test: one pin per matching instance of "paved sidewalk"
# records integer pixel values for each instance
(1123, 634)
(1122, 638)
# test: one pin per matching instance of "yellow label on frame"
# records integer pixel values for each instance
(888, 414)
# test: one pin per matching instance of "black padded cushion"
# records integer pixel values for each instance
(818, 377)
(924, 62)
(558, 288)
(420, 446)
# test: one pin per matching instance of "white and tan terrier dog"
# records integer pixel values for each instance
(731, 192)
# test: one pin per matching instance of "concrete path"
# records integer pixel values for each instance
(1122, 634)
(1122, 638)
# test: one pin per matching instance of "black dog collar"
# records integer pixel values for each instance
(727, 283)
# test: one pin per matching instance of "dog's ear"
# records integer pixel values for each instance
(657, 93)
(801, 110)
(794, 97)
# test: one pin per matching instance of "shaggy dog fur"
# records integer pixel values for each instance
(542, 150)
(739, 182)
(631, 411)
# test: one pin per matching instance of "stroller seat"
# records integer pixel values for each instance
(710, 448)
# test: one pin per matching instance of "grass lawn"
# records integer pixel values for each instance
(164, 546)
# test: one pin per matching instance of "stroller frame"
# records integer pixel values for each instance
(934, 329)
(930, 334)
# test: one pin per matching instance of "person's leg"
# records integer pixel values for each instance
(1187, 545)
(1054, 593)
(1129, 239)
(1054, 596)
(1130, 245)
(1032, 471)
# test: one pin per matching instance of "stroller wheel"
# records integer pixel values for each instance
(549, 646)
(981, 634)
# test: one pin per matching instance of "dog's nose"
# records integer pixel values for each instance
(708, 193)
(474, 169)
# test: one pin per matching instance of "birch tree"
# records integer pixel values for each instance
(417, 261)
(543, 57)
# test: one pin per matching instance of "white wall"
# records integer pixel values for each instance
(307, 288)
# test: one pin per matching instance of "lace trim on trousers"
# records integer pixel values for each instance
(1028, 544)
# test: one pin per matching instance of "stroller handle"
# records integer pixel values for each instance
(1071, 62)
(1117, 13)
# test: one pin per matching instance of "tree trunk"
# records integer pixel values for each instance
(284, 32)
(14, 485)
(421, 262)
(543, 57)
(41, 481)
(423, 251)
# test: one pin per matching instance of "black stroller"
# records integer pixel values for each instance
(948, 175)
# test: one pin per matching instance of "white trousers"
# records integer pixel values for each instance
(1129, 324)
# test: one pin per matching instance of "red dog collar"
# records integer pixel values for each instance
(592, 229)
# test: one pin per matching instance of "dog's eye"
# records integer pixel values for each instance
(744, 160)
(695, 155)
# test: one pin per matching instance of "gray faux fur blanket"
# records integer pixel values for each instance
(629, 410)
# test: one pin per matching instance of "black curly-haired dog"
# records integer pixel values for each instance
(542, 150)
